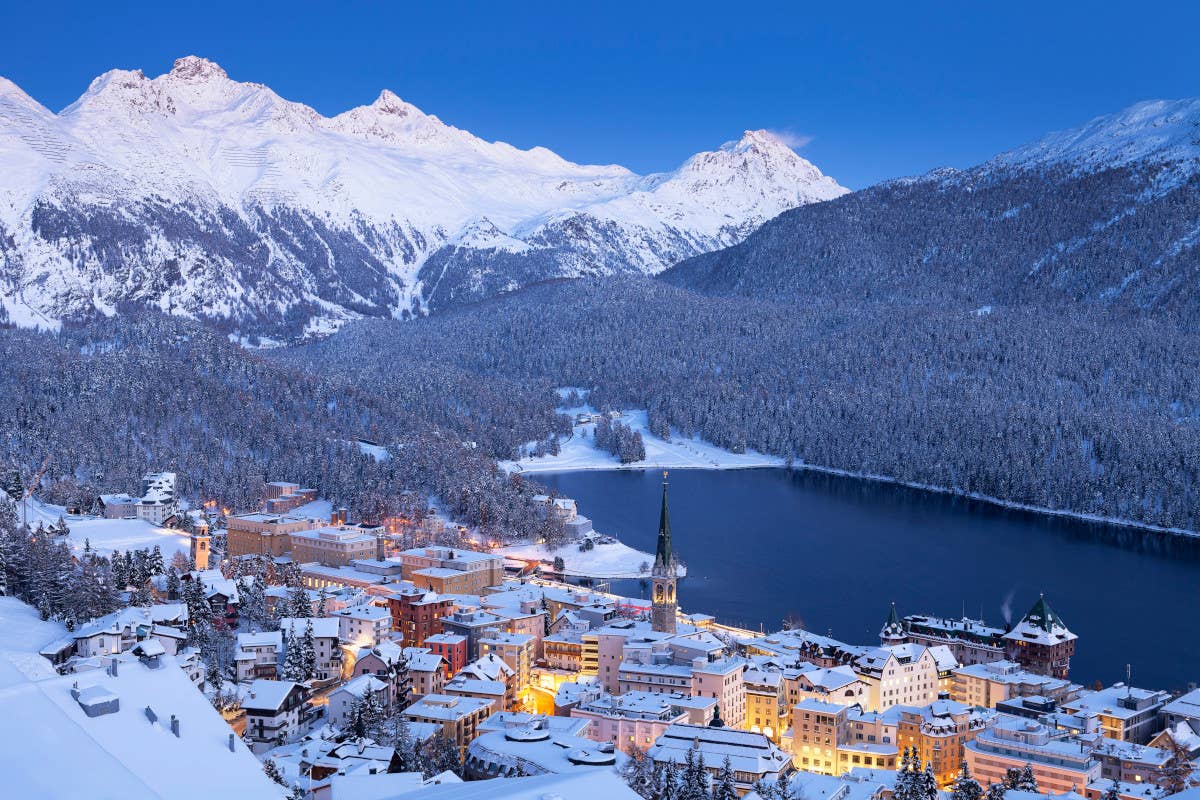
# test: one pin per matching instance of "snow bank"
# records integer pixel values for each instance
(107, 535)
(605, 560)
(580, 452)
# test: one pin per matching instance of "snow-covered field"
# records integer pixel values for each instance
(580, 452)
(615, 560)
(107, 535)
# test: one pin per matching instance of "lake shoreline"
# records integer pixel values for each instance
(1115, 522)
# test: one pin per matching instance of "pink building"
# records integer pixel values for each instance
(640, 717)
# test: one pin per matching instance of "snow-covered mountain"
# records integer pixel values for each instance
(1106, 215)
(221, 200)
(1156, 131)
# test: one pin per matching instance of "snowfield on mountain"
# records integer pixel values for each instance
(221, 200)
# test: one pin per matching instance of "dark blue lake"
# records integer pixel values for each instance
(768, 543)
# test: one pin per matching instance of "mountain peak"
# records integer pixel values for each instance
(195, 68)
(389, 102)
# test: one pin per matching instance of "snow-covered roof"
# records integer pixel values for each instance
(267, 695)
(368, 613)
(386, 786)
(587, 784)
(747, 751)
(359, 686)
(63, 753)
(323, 627)
(446, 707)
(260, 639)
(1041, 625)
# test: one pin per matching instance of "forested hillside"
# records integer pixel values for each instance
(99, 406)
(1081, 410)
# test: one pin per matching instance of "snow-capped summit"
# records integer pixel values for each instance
(194, 68)
(206, 196)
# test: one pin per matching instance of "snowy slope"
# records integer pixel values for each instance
(214, 198)
(1157, 131)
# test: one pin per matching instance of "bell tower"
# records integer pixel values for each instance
(664, 574)
(199, 544)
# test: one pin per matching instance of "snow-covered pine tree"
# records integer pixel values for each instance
(405, 744)
(154, 562)
(996, 791)
(965, 786)
(1113, 792)
(308, 652)
(905, 777)
(725, 787)
(272, 771)
(638, 772)
(293, 661)
(298, 603)
(440, 755)
(1178, 770)
(1027, 782)
(925, 787)
(670, 779)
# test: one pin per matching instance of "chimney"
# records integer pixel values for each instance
(112, 668)
(175, 725)
(231, 749)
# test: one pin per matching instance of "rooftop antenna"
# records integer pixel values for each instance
(1129, 680)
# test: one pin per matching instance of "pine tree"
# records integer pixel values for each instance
(154, 562)
(693, 783)
(638, 772)
(925, 787)
(321, 610)
(1113, 792)
(272, 771)
(1012, 776)
(670, 777)
(405, 744)
(783, 789)
(293, 660)
(441, 755)
(1178, 769)
(298, 603)
(119, 576)
(172, 583)
(905, 777)
(1027, 782)
(308, 652)
(726, 786)
(996, 791)
(965, 786)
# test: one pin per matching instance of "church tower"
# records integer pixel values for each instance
(199, 544)
(892, 631)
(664, 574)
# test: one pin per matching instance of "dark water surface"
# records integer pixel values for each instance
(768, 543)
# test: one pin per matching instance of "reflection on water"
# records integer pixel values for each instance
(762, 545)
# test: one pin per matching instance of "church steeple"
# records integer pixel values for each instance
(662, 555)
(664, 574)
(892, 631)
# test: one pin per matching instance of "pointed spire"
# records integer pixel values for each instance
(1043, 616)
(893, 629)
(663, 555)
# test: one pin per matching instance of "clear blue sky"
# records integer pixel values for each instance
(877, 90)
